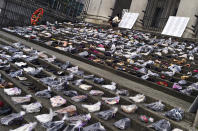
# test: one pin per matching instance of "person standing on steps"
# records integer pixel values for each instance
(115, 21)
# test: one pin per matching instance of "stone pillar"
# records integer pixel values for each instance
(137, 6)
(99, 11)
(2, 3)
(188, 8)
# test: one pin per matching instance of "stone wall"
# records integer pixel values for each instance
(100, 10)
(188, 8)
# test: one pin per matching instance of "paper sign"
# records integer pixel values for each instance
(175, 26)
(128, 20)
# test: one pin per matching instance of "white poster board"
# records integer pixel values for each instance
(175, 26)
(128, 20)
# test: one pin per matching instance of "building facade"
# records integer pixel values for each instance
(153, 13)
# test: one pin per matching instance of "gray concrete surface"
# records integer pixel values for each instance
(116, 78)
(188, 8)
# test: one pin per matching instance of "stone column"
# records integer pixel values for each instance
(188, 8)
(2, 2)
(99, 11)
(137, 6)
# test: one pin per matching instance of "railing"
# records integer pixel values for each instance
(19, 12)
(147, 24)
(157, 13)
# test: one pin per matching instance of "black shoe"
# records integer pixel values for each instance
(27, 83)
(5, 110)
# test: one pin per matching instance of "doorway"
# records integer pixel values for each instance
(157, 15)
(120, 5)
